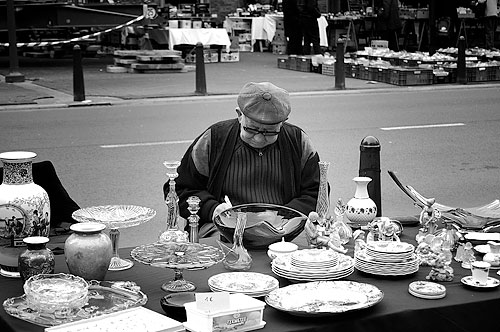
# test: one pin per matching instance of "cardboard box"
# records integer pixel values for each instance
(230, 56)
(379, 43)
(173, 23)
(244, 314)
(185, 24)
(197, 24)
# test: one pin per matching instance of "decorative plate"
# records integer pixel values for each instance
(324, 298)
(174, 255)
(427, 290)
(115, 216)
(103, 298)
(250, 283)
(491, 283)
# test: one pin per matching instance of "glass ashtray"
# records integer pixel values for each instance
(56, 292)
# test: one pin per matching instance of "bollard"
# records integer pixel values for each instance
(461, 66)
(78, 83)
(339, 66)
(369, 165)
(201, 83)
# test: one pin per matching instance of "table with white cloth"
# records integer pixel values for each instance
(264, 27)
(178, 36)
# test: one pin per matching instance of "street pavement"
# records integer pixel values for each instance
(49, 82)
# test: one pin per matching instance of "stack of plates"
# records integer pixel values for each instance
(249, 283)
(387, 258)
(313, 265)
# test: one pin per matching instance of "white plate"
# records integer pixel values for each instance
(492, 282)
(324, 298)
(482, 248)
(243, 282)
(390, 247)
(479, 236)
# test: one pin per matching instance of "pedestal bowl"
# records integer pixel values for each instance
(266, 224)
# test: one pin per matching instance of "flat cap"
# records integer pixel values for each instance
(264, 102)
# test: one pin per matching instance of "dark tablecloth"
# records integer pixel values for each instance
(463, 308)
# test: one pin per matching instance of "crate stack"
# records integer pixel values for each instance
(279, 41)
(147, 61)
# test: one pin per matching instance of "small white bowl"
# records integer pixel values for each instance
(280, 248)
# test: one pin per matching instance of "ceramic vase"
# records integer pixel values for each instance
(37, 258)
(361, 209)
(24, 209)
(24, 205)
(88, 251)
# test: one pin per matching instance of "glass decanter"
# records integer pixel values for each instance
(193, 207)
(173, 233)
(237, 258)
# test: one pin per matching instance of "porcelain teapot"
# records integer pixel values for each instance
(493, 256)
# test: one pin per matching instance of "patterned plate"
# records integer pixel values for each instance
(250, 283)
(390, 247)
(324, 298)
(115, 216)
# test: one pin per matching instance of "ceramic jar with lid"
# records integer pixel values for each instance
(37, 258)
(281, 248)
(88, 251)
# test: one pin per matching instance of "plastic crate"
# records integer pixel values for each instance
(283, 63)
(444, 79)
(292, 62)
(493, 73)
(476, 74)
(303, 64)
(317, 69)
(407, 77)
(328, 69)
(363, 72)
(378, 74)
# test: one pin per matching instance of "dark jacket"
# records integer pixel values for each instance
(308, 8)
(301, 187)
(388, 15)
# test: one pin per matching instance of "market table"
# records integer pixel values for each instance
(463, 308)
(206, 36)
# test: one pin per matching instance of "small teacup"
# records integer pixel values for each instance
(480, 271)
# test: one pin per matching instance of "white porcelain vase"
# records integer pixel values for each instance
(361, 209)
(24, 205)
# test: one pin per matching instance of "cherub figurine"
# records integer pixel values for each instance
(441, 270)
(359, 240)
(318, 240)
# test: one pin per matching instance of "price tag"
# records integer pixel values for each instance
(214, 301)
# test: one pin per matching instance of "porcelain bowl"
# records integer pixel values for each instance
(266, 224)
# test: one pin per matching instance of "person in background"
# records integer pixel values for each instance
(257, 157)
(490, 23)
(308, 21)
(388, 22)
(293, 32)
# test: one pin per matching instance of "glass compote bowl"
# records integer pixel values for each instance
(115, 217)
(179, 257)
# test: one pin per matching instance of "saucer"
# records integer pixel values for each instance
(491, 283)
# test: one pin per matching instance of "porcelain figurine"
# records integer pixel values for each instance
(317, 239)
(429, 217)
(468, 255)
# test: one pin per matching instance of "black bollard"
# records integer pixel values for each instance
(339, 66)
(461, 66)
(369, 165)
(201, 82)
(78, 83)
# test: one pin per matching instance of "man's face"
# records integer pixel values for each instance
(256, 134)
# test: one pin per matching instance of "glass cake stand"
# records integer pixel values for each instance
(115, 217)
(178, 256)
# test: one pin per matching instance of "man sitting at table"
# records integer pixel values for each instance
(256, 158)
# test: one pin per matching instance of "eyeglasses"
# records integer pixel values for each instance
(254, 131)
